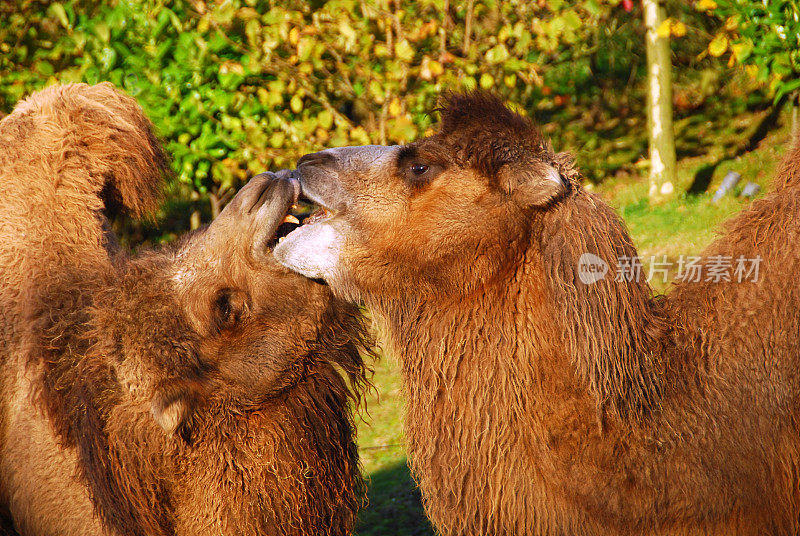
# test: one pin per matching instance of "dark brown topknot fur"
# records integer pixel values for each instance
(197, 389)
(486, 135)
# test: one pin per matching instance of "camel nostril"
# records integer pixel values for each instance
(315, 159)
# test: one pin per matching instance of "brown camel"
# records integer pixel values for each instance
(191, 390)
(542, 397)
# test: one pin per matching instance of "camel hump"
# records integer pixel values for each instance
(99, 129)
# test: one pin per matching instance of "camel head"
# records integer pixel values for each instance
(483, 202)
(257, 327)
(472, 189)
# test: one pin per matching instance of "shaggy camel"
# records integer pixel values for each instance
(543, 401)
(190, 390)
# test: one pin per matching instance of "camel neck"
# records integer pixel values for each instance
(490, 375)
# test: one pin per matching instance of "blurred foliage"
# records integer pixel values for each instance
(764, 37)
(237, 87)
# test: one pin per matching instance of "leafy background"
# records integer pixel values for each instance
(764, 37)
(239, 87)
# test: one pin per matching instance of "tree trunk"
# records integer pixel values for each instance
(659, 104)
(444, 28)
(468, 27)
(216, 205)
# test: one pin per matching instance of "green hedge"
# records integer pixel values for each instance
(238, 87)
(762, 36)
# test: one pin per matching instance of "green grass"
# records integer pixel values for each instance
(394, 502)
(682, 226)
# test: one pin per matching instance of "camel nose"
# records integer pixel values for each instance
(316, 159)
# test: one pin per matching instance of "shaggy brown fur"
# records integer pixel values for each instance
(192, 390)
(538, 404)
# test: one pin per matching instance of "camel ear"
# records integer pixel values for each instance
(532, 185)
(172, 406)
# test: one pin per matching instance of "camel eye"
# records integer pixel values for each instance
(224, 307)
(229, 307)
(419, 169)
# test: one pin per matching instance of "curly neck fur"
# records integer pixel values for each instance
(488, 378)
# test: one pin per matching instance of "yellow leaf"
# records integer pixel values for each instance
(305, 49)
(430, 69)
(394, 107)
(277, 139)
(360, 136)
(510, 80)
(403, 51)
(486, 81)
(325, 119)
(663, 29)
(381, 50)
(294, 36)
(505, 31)
(718, 46)
(678, 28)
(60, 13)
(706, 5)
(740, 50)
(322, 135)
(751, 70)
(425, 70)
(296, 104)
(347, 32)
(732, 23)
(377, 92)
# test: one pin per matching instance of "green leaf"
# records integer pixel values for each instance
(593, 8)
(497, 54)
(742, 50)
(230, 80)
(45, 68)
(108, 58)
(572, 21)
(785, 89)
(102, 30)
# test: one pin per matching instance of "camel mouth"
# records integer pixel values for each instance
(303, 212)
